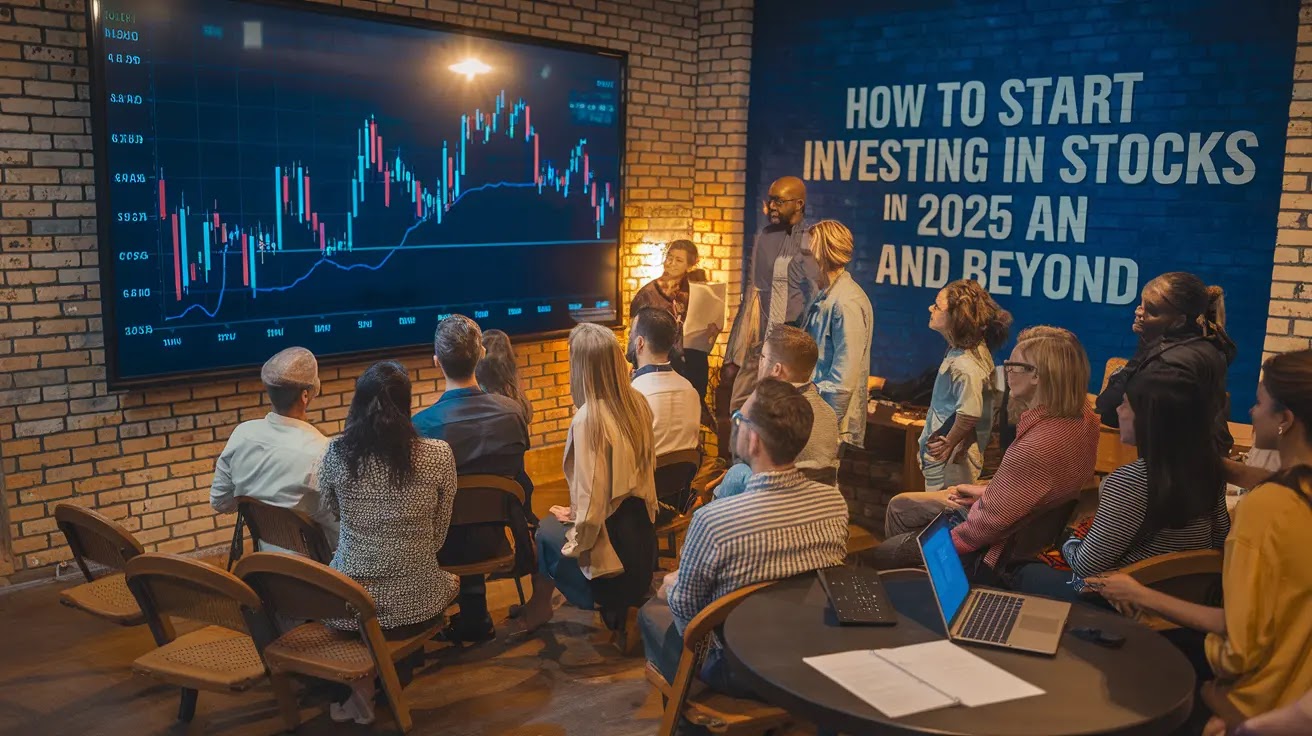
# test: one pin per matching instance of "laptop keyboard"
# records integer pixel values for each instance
(993, 617)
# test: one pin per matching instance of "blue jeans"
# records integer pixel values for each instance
(663, 645)
(565, 571)
(735, 481)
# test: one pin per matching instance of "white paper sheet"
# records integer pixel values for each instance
(877, 682)
(958, 673)
(706, 306)
(913, 679)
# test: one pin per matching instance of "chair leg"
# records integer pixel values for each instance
(187, 706)
(392, 689)
(519, 588)
(288, 708)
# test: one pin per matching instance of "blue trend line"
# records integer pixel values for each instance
(328, 259)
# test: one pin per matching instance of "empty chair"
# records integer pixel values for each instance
(94, 538)
(288, 530)
(220, 657)
(298, 588)
(490, 499)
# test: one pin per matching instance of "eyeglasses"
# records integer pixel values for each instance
(777, 201)
(739, 419)
(1016, 367)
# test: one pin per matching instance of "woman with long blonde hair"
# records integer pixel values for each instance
(600, 550)
(842, 321)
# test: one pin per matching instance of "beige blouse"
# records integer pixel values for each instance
(600, 479)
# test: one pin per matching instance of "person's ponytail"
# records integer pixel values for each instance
(1214, 316)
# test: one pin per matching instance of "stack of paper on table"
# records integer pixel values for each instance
(921, 677)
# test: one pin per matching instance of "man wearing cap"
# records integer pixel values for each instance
(273, 459)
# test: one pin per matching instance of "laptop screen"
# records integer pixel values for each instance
(944, 567)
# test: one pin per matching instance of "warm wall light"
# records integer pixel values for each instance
(650, 261)
(470, 67)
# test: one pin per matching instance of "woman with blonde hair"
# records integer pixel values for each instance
(1049, 462)
(601, 549)
(960, 417)
(842, 321)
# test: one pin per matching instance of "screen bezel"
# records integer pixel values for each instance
(104, 208)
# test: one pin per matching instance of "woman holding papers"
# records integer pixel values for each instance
(670, 291)
(1258, 641)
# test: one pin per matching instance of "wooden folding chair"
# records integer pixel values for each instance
(689, 699)
(487, 499)
(1194, 576)
(674, 475)
(220, 657)
(98, 539)
(299, 588)
(291, 529)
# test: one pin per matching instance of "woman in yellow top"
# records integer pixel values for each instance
(1259, 644)
(600, 550)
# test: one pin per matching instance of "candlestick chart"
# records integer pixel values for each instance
(275, 176)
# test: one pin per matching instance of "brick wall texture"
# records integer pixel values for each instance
(145, 457)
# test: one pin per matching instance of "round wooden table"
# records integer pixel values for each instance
(1145, 687)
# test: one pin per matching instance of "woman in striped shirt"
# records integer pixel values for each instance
(1172, 499)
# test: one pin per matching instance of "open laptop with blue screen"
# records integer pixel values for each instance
(981, 615)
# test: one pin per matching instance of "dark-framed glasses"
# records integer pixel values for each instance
(1013, 366)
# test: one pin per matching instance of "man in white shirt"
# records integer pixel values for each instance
(675, 406)
(273, 459)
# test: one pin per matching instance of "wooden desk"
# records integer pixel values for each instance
(911, 428)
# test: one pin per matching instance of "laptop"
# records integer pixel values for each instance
(982, 615)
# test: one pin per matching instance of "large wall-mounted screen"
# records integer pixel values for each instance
(275, 175)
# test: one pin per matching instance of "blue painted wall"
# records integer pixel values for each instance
(1215, 73)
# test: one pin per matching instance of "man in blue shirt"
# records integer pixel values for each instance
(488, 435)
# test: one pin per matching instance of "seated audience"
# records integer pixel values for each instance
(601, 549)
(675, 406)
(487, 435)
(842, 321)
(393, 492)
(789, 354)
(272, 459)
(1181, 323)
(973, 326)
(1049, 462)
(1258, 642)
(1172, 499)
(782, 525)
(498, 373)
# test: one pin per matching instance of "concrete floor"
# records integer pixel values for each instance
(64, 672)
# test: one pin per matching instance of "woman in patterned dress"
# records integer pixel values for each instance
(393, 492)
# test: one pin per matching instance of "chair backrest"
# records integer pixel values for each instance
(696, 642)
(291, 529)
(94, 537)
(485, 499)
(1039, 531)
(299, 588)
(1112, 453)
(168, 586)
(1113, 365)
(674, 474)
(1194, 576)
